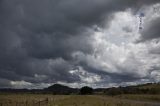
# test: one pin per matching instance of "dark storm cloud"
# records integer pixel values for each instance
(151, 31)
(38, 37)
(4, 83)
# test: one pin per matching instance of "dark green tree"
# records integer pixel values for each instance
(86, 90)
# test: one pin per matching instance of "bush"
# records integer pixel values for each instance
(114, 91)
(86, 90)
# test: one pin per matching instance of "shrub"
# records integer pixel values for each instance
(86, 90)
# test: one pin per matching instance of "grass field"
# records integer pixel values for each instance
(75, 100)
(148, 98)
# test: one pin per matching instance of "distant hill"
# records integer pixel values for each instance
(61, 89)
(149, 88)
(10, 90)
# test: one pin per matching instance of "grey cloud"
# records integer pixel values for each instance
(40, 36)
(129, 71)
(150, 31)
(155, 49)
(4, 83)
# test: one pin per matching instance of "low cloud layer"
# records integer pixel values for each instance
(78, 42)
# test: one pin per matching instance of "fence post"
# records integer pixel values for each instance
(26, 102)
(39, 103)
(47, 101)
(33, 102)
(104, 104)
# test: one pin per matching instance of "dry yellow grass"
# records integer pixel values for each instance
(67, 100)
(148, 98)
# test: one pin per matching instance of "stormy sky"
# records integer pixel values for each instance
(79, 42)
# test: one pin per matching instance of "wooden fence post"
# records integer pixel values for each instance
(47, 101)
(39, 103)
(26, 102)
